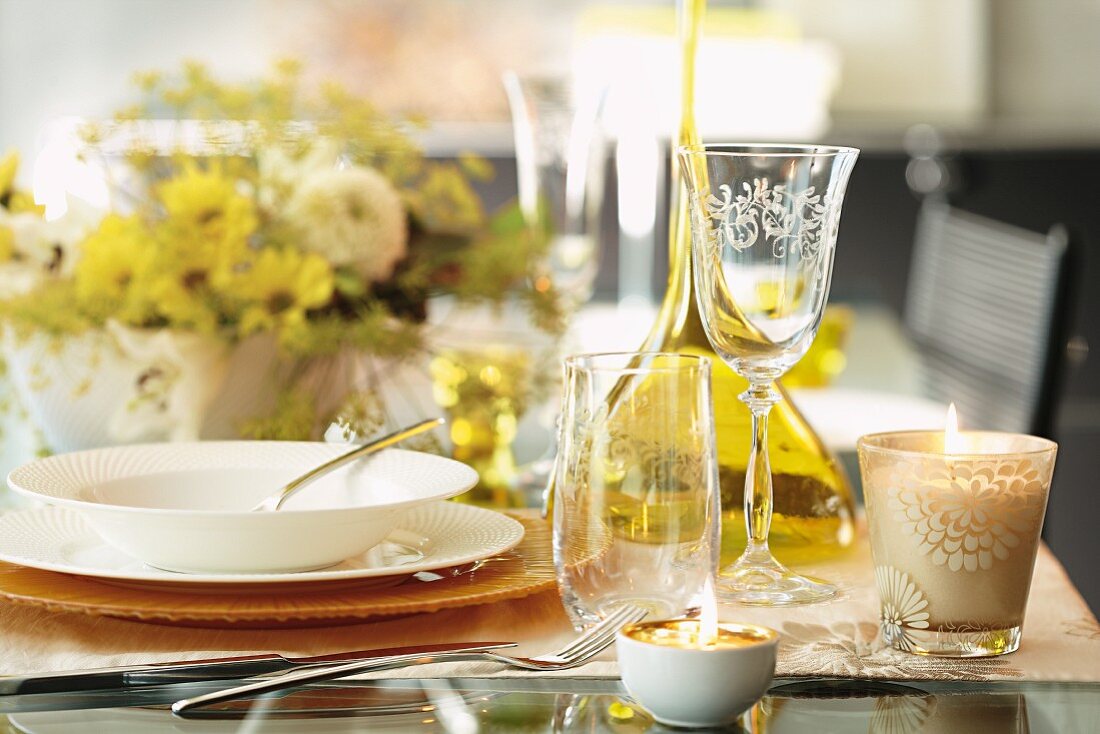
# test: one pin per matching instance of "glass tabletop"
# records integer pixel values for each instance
(469, 706)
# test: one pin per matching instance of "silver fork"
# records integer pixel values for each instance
(576, 653)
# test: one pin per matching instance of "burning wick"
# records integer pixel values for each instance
(953, 442)
(708, 616)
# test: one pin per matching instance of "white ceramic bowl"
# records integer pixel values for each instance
(185, 506)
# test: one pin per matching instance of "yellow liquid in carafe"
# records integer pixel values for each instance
(813, 505)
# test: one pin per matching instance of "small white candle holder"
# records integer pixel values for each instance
(686, 679)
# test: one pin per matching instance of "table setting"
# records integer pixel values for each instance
(203, 552)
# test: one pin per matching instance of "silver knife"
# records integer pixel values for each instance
(244, 666)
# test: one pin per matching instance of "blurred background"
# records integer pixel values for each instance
(992, 106)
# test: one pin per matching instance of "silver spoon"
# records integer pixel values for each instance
(276, 500)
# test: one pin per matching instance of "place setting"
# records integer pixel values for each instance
(148, 528)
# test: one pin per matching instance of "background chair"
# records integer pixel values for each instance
(988, 306)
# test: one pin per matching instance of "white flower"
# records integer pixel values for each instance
(280, 173)
(41, 248)
(351, 216)
(177, 374)
(19, 278)
(903, 606)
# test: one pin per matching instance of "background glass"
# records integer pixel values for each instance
(560, 163)
(489, 368)
(764, 227)
(636, 503)
(560, 170)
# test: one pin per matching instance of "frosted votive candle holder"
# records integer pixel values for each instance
(954, 536)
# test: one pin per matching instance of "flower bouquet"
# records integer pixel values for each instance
(264, 268)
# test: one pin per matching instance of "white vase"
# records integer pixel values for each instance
(116, 385)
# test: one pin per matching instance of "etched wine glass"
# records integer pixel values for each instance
(764, 226)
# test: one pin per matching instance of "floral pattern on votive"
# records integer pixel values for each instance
(968, 515)
(854, 649)
(973, 637)
(903, 606)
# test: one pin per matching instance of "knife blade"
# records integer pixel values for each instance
(242, 666)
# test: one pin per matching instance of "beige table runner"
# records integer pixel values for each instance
(1061, 640)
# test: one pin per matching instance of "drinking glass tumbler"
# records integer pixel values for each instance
(636, 516)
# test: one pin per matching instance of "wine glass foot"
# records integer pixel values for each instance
(770, 584)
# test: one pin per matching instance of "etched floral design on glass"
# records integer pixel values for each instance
(967, 516)
(904, 607)
(620, 454)
(792, 221)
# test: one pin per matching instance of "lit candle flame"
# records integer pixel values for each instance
(952, 441)
(708, 615)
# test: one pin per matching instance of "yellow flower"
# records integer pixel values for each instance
(9, 164)
(205, 208)
(446, 202)
(193, 273)
(23, 201)
(183, 304)
(280, 286)
(147, 81)
(7, 243)
(12, 198)
(115, 258)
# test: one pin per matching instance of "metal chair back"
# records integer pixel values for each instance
(986, 307)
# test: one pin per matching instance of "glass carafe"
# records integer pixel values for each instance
(813, 500)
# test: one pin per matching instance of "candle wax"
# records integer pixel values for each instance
(686, 634)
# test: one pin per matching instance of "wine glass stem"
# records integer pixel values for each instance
(760, 397)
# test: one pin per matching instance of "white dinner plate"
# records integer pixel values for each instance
(428, 538)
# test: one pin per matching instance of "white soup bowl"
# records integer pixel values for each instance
(186, 506)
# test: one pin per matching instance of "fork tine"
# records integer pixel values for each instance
(611, 620)
(603, 634)
(598, 644)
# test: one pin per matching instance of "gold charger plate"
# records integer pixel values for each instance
(527, 569)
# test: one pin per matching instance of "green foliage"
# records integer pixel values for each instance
(292, 420)
(52, 310)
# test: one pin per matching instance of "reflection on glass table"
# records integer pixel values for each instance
(825, 360)
(565, 705)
